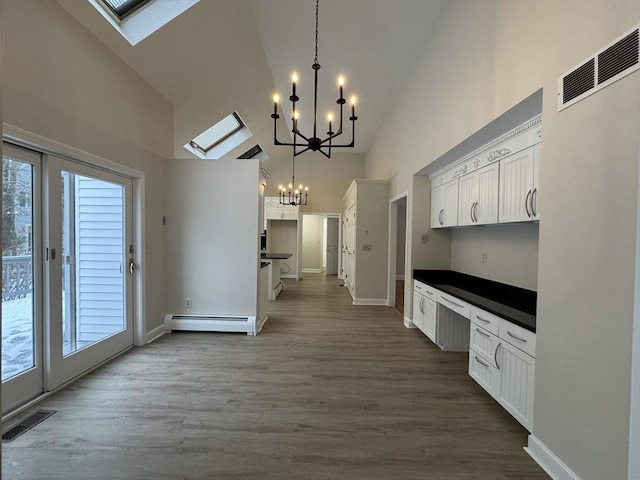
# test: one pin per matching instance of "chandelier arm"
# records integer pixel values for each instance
(300, 151)
(297, 132)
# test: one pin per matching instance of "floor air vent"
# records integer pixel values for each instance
(613, 62)
(26, 425)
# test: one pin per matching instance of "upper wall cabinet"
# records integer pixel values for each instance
(519, 186)
(497, 183)
(444, 205)
(274, 210)
(478, 202)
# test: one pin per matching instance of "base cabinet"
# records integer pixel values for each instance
(503, 364)
(424, 309)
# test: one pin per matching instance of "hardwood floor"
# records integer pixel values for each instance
(328, 390)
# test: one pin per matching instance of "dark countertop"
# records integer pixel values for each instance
(276, 256)
(515, 304)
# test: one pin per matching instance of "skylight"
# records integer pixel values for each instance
(123, 8)
(220, 138)
(254, 152)
(135, 20)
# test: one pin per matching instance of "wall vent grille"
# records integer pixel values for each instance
(613, 62)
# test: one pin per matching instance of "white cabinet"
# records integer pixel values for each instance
(424, 309)
(478, 200)
(519, 186)
(502, 361)
(444, 205)
(276, 211)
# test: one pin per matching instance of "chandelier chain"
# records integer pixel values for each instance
(317, 3)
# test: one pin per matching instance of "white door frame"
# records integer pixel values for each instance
(393, 246)
(36, 142)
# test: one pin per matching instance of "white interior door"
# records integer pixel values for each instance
(89, 268)
(22, 341)
(333, 247)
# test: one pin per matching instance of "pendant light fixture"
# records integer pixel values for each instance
(293, 195)
(301, 142)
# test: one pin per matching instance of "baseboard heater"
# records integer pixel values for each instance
(210, 323)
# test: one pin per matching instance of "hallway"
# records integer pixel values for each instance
(326, 391)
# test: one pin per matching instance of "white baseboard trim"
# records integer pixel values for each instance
(311, 270)
(259, 324)
(409, 323)
(548, 460)
(155, 334)
(370, 301)
(289, 275)
(454, 348)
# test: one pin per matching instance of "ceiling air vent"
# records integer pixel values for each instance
(616, 60)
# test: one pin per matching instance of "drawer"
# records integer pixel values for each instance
(455, 304)
(484, 343)
(486, 320)
(426, 290)
(519, 337)
(485, 374)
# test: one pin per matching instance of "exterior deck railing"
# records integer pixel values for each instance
(17, 278)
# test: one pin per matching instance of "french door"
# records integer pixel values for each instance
(82, 269)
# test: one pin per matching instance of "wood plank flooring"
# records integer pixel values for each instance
(328, 390)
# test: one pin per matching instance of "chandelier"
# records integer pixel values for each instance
(301, 142)
(293, 195)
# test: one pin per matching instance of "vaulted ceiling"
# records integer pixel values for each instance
(232, 55)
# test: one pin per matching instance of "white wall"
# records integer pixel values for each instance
(480, 59)
(60, 82)
(312, 246)
(213, 236)
(328, 178)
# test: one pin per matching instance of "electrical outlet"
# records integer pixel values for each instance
(484, 256)
(187, 302)
(424, 238)
(366, 247)
(366, 233)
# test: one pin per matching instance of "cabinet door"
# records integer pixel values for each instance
(517, 382)
(486, 208)
(484, 343)
(429, 318)
(535, 212)
(516, 187)
(468, 189)
(437, 207)
(486, 374)
(418, 310)
(444, 205)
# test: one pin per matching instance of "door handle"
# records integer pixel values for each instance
(132, 266)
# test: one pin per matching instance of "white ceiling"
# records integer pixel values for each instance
(226, 55)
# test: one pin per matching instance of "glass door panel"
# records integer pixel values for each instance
(21, 274)
(90, 285)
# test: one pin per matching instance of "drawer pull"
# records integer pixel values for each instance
(482, 333)
(417, 287)
(481, 362)
(430, 293)
(453, 303)
(483, 319)
(516, 337)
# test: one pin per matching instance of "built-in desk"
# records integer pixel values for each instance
(275, 283)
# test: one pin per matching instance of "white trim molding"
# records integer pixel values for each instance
(311, 270)
(370, 301)
(548, 460)
(155, 334)
(408, 323)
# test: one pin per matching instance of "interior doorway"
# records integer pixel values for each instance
(321, 243)
(397, 252)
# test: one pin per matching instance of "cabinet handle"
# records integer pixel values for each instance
(495, 355)
(471, 212)
(475, 212)
(453, 303)
(440, 216)
(526, 204)
(483, 319)
(516, 337)
(430, 293)
(481, 362)
(483, 333)
(534, 202)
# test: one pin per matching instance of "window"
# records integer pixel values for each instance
(220, 138)
(252, 152)
(123, 8)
